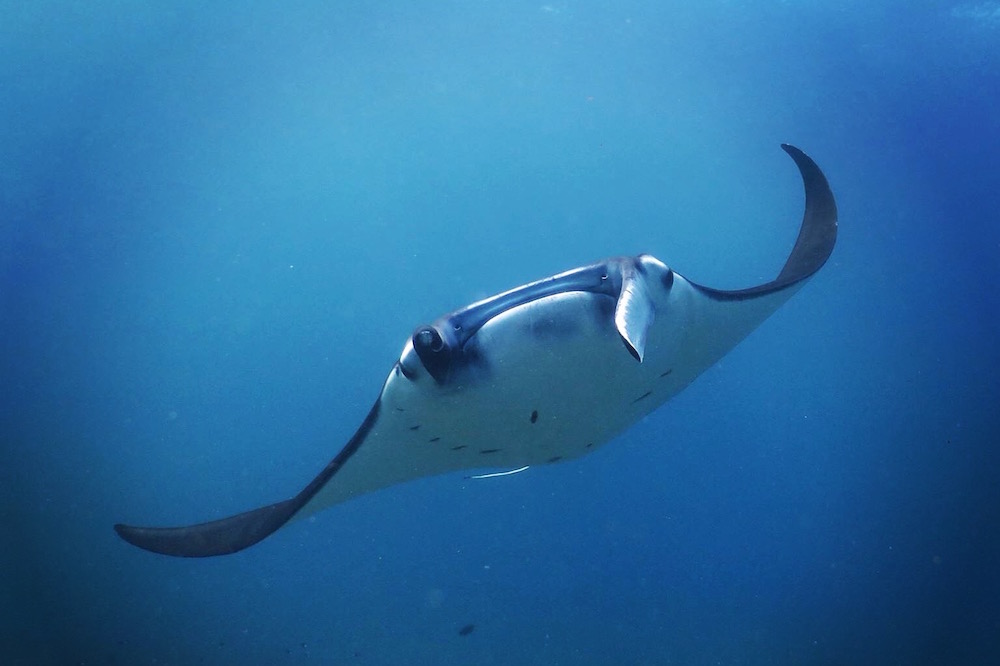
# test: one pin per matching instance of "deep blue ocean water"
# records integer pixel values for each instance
(219, 226)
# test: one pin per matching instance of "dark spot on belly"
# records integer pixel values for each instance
(644, 395)
(416, 427)
(534, 416)
(554, 459)
(664, 374)
(490, 450)
(458, 448)
(466, 630)
(434, 439)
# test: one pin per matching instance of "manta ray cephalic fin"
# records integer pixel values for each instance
(634, 312)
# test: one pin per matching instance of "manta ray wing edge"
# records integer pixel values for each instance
(816, 239)
(232, 534)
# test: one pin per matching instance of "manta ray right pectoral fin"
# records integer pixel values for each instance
(232, 534)
(634, 312)
(218, 537)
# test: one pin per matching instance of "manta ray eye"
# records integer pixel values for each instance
(428, 339)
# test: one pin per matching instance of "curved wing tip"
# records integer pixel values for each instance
(126, 532)
(138, 537)
(176, 542)
(818, 233)
(133, 536)
(217, 537)
(131, 533)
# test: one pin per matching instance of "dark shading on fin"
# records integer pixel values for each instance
(219, 537)
(817, 235)
(232, 534)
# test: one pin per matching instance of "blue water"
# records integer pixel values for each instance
(218, 227)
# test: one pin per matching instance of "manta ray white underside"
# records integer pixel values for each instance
(539, 374)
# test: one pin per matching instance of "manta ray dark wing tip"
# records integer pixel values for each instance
(218, 537)
(232, 534)
(818, 233)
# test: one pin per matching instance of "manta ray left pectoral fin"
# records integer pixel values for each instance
(634, 312)
(232, 534)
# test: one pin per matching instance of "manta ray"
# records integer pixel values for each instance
(540, 374)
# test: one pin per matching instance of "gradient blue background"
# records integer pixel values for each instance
(218, 226)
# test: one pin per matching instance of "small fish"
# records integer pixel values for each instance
(466, 630)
